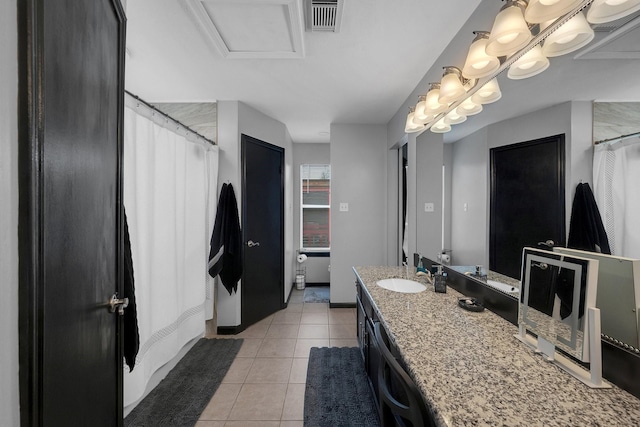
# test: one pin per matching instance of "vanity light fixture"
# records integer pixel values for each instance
(411, 126)
(468, 108)
(440, 127)
(571, 36)
(433, 106)
(453, 118)
(539, 11)
(478, 64)
(488, 93)
(528, 65)
(451, 86)
(602, 11)
(510, 32)
(421, 116)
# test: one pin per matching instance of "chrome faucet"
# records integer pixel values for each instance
(406, 269)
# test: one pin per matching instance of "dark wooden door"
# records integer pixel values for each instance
(527, 200)
(71, 112)
(262, 229)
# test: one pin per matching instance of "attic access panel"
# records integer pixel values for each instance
(245, 29)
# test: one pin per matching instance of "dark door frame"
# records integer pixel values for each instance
(31, 101)
(246, 138)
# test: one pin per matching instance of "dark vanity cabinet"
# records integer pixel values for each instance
(366, 317)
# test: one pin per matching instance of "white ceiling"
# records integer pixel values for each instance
(381, 60)
(363, 74)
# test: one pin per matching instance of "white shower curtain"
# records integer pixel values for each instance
(170, 178)
(616, 178)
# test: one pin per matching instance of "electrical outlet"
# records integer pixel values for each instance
(429, 207)
(344, 207)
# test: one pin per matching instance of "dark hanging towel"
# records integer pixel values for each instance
(131, 335)
(587, 233)
(225, 258)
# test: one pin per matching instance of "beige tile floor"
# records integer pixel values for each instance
(266, 382)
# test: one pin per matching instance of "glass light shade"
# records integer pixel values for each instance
(453, 118)
(433, 106)
(528, 65)
(421, 116)
(571, 36)
(441, 127)
(478, 64)
(510, 31)
(410, 125)
(488, 93)
(539, 11)
(451, 88)
(602, 11)
(468, 108)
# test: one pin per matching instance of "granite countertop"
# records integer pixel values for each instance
(472, 371)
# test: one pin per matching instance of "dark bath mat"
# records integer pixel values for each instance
(337, 391)
(181, 397)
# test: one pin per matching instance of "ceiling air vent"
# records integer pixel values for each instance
(324, 15)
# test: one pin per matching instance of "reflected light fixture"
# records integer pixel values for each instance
(433, 106)
(510, 32)
(410, 125)
(440, 127)
(488, 93)
(468, 108)
(453, 118)
(421, 116)
(478, 64)
(539, 11)
(528, 65)
(571, 36)
(602, 11)
(451, 88)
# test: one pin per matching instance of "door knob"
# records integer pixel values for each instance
(251, 243)
(118, 304)
(549, 243)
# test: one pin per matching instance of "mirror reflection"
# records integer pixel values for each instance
(590, 95)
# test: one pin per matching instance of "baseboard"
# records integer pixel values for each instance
(230, 330)
(310, 285)
(342, 305)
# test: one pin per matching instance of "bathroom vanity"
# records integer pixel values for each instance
(469, 367)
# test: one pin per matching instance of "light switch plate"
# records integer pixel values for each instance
(429, 207)
(344, 207)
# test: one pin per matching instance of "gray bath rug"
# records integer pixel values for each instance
(337, 391)
(316, 294)
(181, 397)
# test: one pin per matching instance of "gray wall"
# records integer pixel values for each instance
(317, 268)
(470, 181)
(359, 158)
(235, 119)
(9, 405)
(469, 186)
(429, 160)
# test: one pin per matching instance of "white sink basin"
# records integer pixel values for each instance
(401, 285)
(503, 287)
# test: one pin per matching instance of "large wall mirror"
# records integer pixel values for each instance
(578, 96)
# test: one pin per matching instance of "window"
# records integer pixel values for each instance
(315, 201)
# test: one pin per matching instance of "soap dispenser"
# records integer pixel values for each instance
(440, 280)
(420, 268)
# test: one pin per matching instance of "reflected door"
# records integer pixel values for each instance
(527, 200)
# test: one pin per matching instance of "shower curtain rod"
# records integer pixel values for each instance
(618, 138)
(168, 117)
